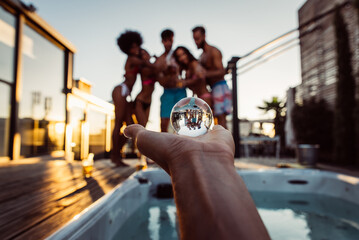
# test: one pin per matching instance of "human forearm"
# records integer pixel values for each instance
(189, 82)
(215, 73)
(151, 65)
(167, 81)
(217, 205)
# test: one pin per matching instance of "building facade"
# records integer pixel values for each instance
(318, 48)
(42, 109)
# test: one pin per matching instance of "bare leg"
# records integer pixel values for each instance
(147, 113)
(164, 124)
(141, 114)
(222, 120)
(208, 100)
(118, 139)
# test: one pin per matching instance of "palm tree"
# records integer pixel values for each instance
(278, 107)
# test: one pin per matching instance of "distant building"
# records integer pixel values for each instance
(318, 50)
(42, 109)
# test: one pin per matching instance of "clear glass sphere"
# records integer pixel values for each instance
(191, 117)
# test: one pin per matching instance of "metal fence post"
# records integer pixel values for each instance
(232, 65)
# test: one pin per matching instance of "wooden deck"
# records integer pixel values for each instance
(39, 196)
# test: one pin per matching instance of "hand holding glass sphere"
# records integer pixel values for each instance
(191, 117)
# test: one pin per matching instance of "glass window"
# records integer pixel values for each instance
(4, 118)
(97, 124)
(76, 121)
(7, 45)
(7, 54)
(42, 104)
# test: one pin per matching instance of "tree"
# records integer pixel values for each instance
(278, 107)
(344, 125)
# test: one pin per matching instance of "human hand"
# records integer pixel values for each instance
(211, 198)
(145, 55)
(180, 83)
(171, 151)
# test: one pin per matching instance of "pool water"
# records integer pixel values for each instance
(156, 219)
(307, 216)
(286, 216)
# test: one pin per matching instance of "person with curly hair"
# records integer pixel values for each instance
(130, 43)
(195, 74)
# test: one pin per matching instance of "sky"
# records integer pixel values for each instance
(236, 27)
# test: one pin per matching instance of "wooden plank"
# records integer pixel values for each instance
(39, 203)
(29, 185)
(54, 222)
(57, 189)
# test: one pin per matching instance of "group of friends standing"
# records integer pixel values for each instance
(175, 70)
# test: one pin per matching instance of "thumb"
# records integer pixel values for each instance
(151, 144)
(132, 131)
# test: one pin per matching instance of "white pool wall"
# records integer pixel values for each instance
(317, 182)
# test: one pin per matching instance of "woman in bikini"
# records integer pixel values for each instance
(143, 99)
(195, 74)
(129, 42)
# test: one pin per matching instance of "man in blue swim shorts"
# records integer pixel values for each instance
(211, 60)
(167, 77)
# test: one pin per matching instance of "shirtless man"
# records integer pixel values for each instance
(211, 60)
(167, 77)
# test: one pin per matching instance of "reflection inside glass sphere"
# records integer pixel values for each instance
(191, 117)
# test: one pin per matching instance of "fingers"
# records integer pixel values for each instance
(152, 144)
(160, 146)
(132, 131)
(218, 127)
(220, 134)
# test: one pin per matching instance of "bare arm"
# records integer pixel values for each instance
(197, 74)
(167, 81)
(143, 61)
(212, 199)
(135, 61)
(218, 71)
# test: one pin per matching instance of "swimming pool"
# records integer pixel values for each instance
(294, 204)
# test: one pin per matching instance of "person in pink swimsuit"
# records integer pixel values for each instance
(143, 99)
